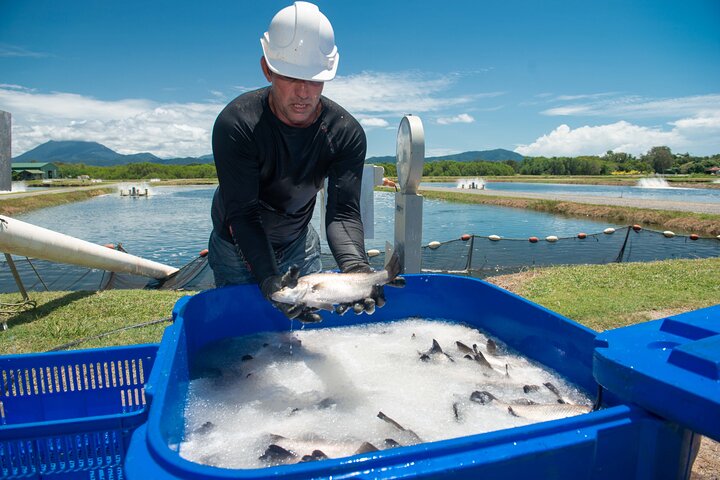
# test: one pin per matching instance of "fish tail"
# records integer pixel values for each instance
(393, 265)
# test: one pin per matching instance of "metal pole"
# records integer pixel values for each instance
(17, 278)
(408, 204)
(5, 152)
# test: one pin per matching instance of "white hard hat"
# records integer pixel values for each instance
(300, 43)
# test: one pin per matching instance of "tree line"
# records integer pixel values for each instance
(657, 160)
(142, 170)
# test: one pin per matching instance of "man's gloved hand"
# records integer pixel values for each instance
(275, 283)
(368, 304)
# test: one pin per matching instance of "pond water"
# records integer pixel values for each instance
(172, 224)
(651, 189)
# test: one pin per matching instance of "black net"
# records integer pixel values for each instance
(477, 256)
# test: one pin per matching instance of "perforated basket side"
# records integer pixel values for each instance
(71, 414)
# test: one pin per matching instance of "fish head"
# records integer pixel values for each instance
(292, 296)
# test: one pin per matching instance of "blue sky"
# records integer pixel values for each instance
(538, 77)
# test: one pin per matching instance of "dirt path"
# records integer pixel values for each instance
(53, 190)
(696, 207)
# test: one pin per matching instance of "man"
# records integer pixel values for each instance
(273, 150)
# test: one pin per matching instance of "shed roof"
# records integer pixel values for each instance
(30, 165)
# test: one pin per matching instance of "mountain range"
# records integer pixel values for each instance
(93, 153)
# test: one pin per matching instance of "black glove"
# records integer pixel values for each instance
(368, 304)
(276, 283)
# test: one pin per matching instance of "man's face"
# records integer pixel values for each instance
(295, 102)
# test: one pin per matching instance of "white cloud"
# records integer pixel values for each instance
(694, 123)
(127, 126)
(462, 118)
(706, 121)
(183, 129)
(639, 107)
(7, 50)
(596, 140)
(374, 122)
(397, 94)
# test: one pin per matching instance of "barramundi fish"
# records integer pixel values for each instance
(530, 410)
(338, 291)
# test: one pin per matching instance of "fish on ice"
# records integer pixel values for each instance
(282, 450)
(530, 410)
(336, 291)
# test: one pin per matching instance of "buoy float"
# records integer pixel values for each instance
(609, 231)
(465, 237)
(204, 252)
(637, 227)
(373, 253)
(533, 239)
(718, 237)
(494, 238)
(582, 235)
(669, 234)
(551, 239)
(694, 236)
(434, 244)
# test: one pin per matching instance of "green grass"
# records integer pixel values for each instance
(598, 296)
(609, 296)
(63, 317)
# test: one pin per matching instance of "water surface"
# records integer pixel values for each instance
(172, 224)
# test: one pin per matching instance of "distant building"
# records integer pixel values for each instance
(713, 170)
(34, 171)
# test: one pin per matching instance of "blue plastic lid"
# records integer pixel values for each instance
(670, 367)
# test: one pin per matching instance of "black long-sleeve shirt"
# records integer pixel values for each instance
(270, 173)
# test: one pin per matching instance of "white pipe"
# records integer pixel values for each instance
(20, 238)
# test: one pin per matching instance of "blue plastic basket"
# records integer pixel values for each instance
(621, 440)
(68, 415)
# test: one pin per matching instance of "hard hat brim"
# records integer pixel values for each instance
(310, 73)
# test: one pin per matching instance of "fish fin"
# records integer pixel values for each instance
(482, 397)
(326, 306)
(480, 358)
(390, 443)
(366, 447)
(552, 388)
(317, 287)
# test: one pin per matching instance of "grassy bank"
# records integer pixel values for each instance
(64, 317)
(609, 296)
(697, 181)
(702, 224)
(598, 296)
(32, 201)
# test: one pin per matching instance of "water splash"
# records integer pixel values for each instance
(653, 182)
(140, 189)
(475, 183)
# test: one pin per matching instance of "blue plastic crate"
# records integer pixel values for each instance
(618, 441)
(68, 415)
